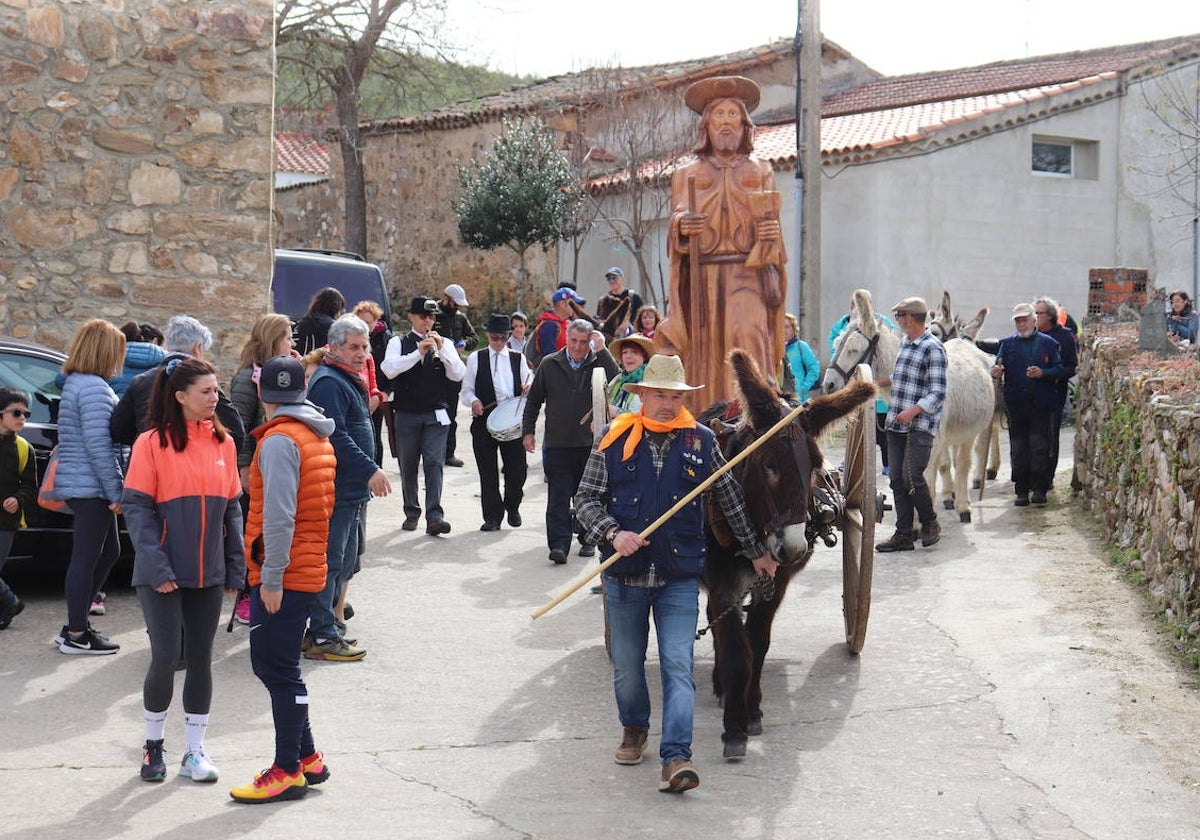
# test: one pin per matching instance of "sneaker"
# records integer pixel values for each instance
(1038, 497)
(678, 776)
(314, 769)
(437, 527)
(896, 542)
(271, 785)
(334, 650)
(241, 611)
(587, 550)
(1022, 500)
(410, 523)
(90, 642)
(197, 766)
(931, 532)
(633, 743)
(154, 764)
(307, 641)
(10, 608)
(97, 607)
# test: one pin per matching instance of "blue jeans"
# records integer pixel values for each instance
(676, 607)
(421, 439)
(341, 556)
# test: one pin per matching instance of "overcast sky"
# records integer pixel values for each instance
(547, 37)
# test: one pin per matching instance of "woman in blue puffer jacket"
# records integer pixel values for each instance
(140, 356)
(89, 476)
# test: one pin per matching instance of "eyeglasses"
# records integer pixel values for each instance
(19, 412)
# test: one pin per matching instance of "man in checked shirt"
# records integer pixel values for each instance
(640, 468)
(918, 383)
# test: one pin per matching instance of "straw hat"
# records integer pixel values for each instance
(700, 93)
(646, 344)
(663, 372)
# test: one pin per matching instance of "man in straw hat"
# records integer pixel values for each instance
(918, 384)
(727, 259)
(642, 465)
(495, 376)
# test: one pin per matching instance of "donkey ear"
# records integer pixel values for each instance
(759, 398)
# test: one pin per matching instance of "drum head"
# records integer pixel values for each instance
(504, 423)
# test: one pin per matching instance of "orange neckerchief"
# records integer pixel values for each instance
(636, 423)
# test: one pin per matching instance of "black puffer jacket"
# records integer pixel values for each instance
(14, 482)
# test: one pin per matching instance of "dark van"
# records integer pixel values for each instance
(301, 273)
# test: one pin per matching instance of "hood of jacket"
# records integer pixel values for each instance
(310, 415)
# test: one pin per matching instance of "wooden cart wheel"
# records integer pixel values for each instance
(858, 522)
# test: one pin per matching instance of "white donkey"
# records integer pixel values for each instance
(969, 392)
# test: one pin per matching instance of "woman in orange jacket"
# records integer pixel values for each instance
(181, 506)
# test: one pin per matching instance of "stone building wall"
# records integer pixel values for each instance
(135, 165)
(1137, 462)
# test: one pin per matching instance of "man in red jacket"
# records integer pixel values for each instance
(287, 534)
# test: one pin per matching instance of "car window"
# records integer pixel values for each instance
(294, 285)
(35, 376)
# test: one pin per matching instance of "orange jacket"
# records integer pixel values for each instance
(306, 567)
(182, 511)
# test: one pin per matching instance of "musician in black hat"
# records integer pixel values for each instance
(496, 378)
(421, 363)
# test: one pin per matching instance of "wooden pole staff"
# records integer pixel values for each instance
(694, 285)
(656, 524)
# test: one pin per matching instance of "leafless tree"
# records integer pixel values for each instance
(643, 129)
(334, 43)
(1173, 99)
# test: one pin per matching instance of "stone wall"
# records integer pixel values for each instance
(135, 165)
(1137, 461)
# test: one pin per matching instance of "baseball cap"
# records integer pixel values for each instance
(282, 381)
(614, 271)
(455, 293)
(566, 294)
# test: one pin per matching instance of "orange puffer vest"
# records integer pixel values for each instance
(314, 507)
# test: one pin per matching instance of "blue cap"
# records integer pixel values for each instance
(566, 294)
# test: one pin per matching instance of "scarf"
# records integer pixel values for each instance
(615, 390)
(359, 376)
(637, 423)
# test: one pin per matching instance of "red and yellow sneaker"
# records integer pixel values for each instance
(314, 769)
(272, 785)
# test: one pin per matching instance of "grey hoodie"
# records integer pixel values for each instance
(279, 463)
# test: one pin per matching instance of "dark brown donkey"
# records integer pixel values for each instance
(777, 479)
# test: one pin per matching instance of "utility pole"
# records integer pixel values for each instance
(807, 297)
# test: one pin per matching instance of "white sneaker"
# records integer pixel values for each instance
(198, 766)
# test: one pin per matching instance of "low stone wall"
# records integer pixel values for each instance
(1137, 463)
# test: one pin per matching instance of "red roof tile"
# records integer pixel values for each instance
(296, 151)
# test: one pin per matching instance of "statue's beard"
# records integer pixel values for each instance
(726, 141)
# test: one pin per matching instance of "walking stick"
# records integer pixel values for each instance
(694, 262)
(656, 524)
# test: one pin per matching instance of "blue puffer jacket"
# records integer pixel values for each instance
(139, 356)
(88, 462)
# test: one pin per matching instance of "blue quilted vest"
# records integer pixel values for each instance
(637, 497)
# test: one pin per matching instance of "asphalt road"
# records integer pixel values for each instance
(995, 698)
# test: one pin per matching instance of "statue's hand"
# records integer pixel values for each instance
(692, 224)
(768, 230)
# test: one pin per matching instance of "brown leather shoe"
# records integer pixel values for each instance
(632, 745)
(931, 532)
(896, 542)
(678, 776)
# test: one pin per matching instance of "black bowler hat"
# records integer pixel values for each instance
(422, 305)
(498, 323)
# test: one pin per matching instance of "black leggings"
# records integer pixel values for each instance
(95, 548)
(180, 622)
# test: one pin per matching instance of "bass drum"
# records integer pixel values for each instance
(599, 401)
(504, 423)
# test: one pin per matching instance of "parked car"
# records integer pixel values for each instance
(34, 369)
(301, 273)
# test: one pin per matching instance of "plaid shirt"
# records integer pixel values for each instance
(919, 378)
(596, 521)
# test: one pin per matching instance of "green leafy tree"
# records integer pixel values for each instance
(523, 193)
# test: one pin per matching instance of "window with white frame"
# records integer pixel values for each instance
(1060, 157)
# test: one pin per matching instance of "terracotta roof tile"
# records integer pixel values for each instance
(296, 151)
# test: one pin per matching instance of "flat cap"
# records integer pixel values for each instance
(911, 306)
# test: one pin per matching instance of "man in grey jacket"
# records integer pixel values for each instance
(564, 383)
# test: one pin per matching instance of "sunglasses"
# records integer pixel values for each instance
(18, 412)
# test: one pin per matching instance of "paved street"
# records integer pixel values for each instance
(1006, 690)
